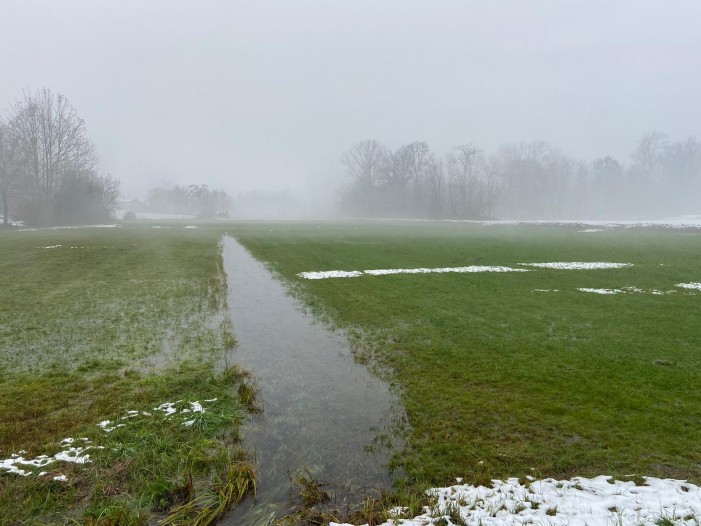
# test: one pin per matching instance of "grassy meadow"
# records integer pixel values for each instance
(105, 321)
(499, 379)
(501, 374)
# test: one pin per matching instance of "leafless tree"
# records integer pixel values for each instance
(10, 165)
(53, 143)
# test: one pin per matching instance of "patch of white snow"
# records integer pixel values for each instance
(578, 265)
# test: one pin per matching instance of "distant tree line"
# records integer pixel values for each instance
(521, 181)
(194, 199)
(48, 167)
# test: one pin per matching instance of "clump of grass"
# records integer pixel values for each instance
(213, 502)
(310, 489)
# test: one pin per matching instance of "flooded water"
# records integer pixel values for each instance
(322, 411)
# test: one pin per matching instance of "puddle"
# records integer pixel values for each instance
(322, 410)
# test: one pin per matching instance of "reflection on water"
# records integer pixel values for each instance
(321, 409)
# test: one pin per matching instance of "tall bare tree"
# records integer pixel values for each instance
(53, 144)
(10, 166)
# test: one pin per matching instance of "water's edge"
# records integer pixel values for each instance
(323, 412)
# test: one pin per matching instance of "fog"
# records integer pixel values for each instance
(263, 98)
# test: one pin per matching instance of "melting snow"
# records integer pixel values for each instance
(75, 455)
(388, 271)
(576, 502)
(51, 246)
(190, 226)
(578, 265)
(694, 286)
(472, 268)
(588, 230)
(602, 291)
(330, 274)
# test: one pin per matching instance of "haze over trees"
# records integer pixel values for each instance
(522, 181)
(48, 166)
(194, 199)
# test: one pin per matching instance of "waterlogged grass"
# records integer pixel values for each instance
(499, 379)
(127, 320)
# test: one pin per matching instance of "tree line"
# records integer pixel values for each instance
(193, 199)
(521, 181)
(48, 166)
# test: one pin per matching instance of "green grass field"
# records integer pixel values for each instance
(114, 320)
(499, 380)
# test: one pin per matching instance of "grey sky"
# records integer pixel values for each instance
(267, 95)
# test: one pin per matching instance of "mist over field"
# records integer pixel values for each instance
(571, 109)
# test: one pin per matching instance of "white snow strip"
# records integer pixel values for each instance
(190, 226)
(389, 271)
(589, 230)
(602, 291)
(545, 290)
(694, 286)
(330, 274)
(470, 269)
(51, 246)
(578, 265)
(580, 501)
(61, 478)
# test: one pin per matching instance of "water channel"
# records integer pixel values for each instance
(322, 410)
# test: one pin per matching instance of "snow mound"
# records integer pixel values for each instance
(576, 502)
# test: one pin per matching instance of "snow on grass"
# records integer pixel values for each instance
(330, 274)
(16, 464)
(545, 290)
(51, 246)
(561, 265)
(602, 291)
(590, 230)
(65, 228)
(578, 265)
(389, 271)
(470, 269)
(190, 226)
(598, 501)
(693, 286)
(627, 290)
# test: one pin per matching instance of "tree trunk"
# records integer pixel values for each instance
(6, 218)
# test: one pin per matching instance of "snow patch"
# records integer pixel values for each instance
(578, 265)
(330, 274)
(389, 271)
(470, 269)
(598, 501)
(589, 230)
(693, 286)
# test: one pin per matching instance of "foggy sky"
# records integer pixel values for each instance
(265, 95)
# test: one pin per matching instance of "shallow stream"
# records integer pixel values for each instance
(322, 411)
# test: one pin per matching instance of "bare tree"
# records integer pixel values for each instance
(53, 144)
(364, 163)
(464, 164)
(10, 166)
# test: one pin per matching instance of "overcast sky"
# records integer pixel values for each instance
(267, 95)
